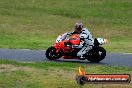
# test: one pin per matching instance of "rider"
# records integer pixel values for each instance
(85, 37)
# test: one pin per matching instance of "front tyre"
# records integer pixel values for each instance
(51, 53)
(96, 54)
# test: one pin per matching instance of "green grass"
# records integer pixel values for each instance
(53, 74)
(35, 24)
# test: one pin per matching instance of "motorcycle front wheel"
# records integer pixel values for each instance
(51, 53)
(96, 54)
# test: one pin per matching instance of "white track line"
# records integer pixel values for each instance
(126, 53)
(29, 49)
(45, 50)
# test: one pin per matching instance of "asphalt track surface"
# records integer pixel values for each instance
(23, 55)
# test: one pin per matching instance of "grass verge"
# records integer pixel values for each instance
(32, 23)
(53, 74)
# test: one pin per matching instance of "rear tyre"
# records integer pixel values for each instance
(51, 53)
(96, 54)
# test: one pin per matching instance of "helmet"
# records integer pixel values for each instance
(78, 25)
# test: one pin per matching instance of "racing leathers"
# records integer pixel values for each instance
(86, 42)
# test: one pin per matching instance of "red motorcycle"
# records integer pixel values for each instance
(67, 48)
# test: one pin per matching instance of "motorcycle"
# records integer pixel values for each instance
(68, 47)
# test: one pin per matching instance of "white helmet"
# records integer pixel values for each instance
(78, 25)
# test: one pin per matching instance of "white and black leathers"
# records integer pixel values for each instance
(87, 42)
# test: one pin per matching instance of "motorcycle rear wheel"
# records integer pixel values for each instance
(96, 55)
(51, 53)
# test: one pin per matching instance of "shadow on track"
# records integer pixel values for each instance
(76, 61)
